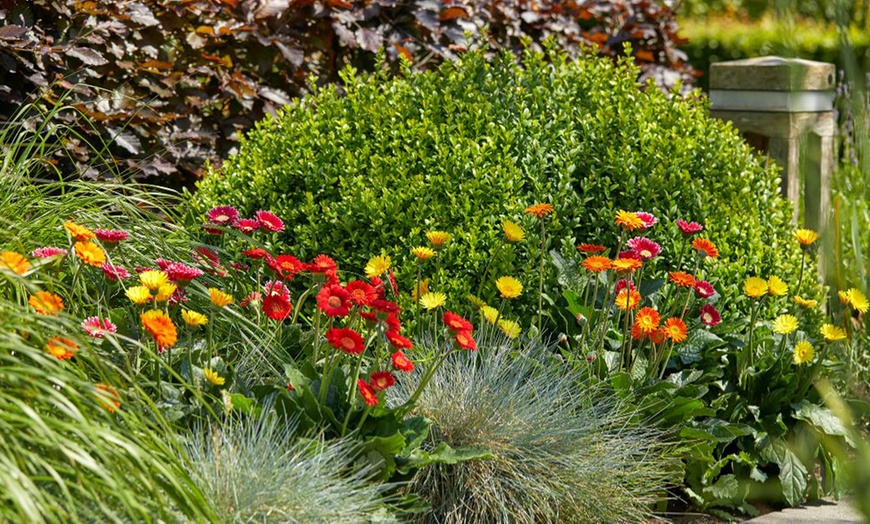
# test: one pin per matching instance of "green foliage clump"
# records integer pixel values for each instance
(372, 166)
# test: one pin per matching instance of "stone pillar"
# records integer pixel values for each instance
(785, 108)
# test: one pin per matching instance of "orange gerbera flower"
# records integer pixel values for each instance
(161, 327)
(90, 253)
(14, 262)
(682, 279)
(539, 210)
(46, 303)
(61, 348)
(78, 232)
(675, 329)
(626, 264)
(706, 247)
(590, 248)
(596, 264)
(627, 299)
(647, 320)
(108, 397)
(657, 336)
(629, 220)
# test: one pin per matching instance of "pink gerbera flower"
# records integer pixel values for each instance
(270, 222)
(649, 220)
(623, 283)
(179, 272)
(709, 315)
(96, 328)
(162, 263)
(111, 236)
(704, 289)
(48, 252)
(630, 253)
(689, 228)
(179, 296)
(223, 215)
(254, 297)
(644, 247)
(275, 288)
(247, 225)
(114, 272)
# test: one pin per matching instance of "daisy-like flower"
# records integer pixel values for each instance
(490, 314)
(288, 266)
(182, 273)
(97, 328)
(165, 292)
(113, 272)
(111, 236)
(512, 231)
(776, 287)
(705, 247)
(254, 297)
(805, 302)
(377, 266)
(48, 252)
(161, 328)
(256, 253)
(539, 210)
(193, 318)
(857, 300)
(803, 353)
(78, 232)
(645, 248)
(381, 380)
(754, 287)
(465, 340)
(385, 306)
(438, 238)
(334, 300)
(247, 225)
(153, 279)
(647, 320)
(346, 339)
(423, 253)
(361, 293)
(14, 262)
(626, 264)
(369, 395)
(397, 340)
(832, 333)
(46, 303)
(510, 328)
(509, 287)
(219, 298)
(629, 221)
(629, 253)
(675, 329)
(455, 322)
(322, 264)
(784, 324)
(90, 253)
(844, 298)
(627, 299)
(401, 362)
(162, 263)
(806, 237)
(269, 221)
(108, 397)
(590, 248)
(682, 279)
(624, 284)
(704, 289)
(61, 348)
(649, 220)
(689, 228)
(709, 315)
(222, 215)
(596, 264)
(138, 294)
(658, 336)
(212, 377)
(277, 307)
(476, 301)
(433, 300)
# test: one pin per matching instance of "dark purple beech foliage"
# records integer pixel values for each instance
(170, 84)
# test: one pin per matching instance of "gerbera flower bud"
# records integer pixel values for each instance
(211, 376)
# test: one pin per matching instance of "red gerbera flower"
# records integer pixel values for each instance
(361, 293)
(378, 284)
(222, 215)
(385, 306)
(114, 272)
(322, 264)
(370, 397)
(630, 254)
(210, 255)
(657, 336)
(162, 263)
(111, 236)
(398, 341)
(247, 225)
(689, 228)
(256, 253)
(709, 315)
(96, 327)
(269, 221)
(393, 285)
(179, 272)
(401, 362)
(455, 322)
(346, 340)
(286, 265)
(704, 289)
(334, 300)
(590, 248)
(465, 340)
(393, 323)
(623, 283)
(276, 307)
(382, 380)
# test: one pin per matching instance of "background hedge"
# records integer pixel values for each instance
(371, 166)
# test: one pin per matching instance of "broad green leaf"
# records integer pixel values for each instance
(792, 473)
(822, 419)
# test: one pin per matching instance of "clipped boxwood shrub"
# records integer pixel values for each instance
(371, 166)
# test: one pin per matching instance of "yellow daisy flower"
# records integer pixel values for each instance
(832, 333)
(806, 236)
(478, 303)
(512, 231)
(193, 318)
(153, 279)
(138, 294)
(377, 266)
(628, 220)
(489, 313)
(424, 288)
(165, 292)
(803, 353)
(844, 297)
(78, 232)
(510, 328)
(423, 253)
(805, 302)
(785, 324)
(509, 287)
(754, 287)
(776, 286)
(212, 377)
(219, 298)
(858, 300)
(438, 238)
(433, 300)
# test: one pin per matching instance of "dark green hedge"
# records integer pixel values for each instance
(371, 166)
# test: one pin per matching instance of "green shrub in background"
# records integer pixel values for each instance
(372, 166)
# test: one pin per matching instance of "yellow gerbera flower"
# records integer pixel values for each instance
(78, 232)
(803, 353)
(212, 377)
(509, 287)
(478, 303)
(153, 279)
(628, 220)
(138, 294)
(14, 262)
(805, 302)
(424, 288)
(489, 313)
(438, 238)
(433, 300)
(832, 333)
(165, 292)
(90, 253)
(423, 253)
(512, 231)
(193, 318)
(377, 266)
(785, 324)
(219, 298)
(844, 297)
(754, 287)
(858, 300)
(776, 286)
(510, 328)
(806, 236)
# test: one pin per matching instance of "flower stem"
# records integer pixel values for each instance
(541, 277)
(353, 388)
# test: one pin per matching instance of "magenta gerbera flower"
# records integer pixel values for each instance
(649, 220)
(114, 272)
(247, 225)
(623, 283)
(277, 288)
(644, 247)
(223, 215)
(704, 289)
(269, 221)
(112, 236)
(630, 253)
(179, 272)
(48, 252)
(689, 228)
(96, 328)
(162, 263)
(179, 296)
(709, 315)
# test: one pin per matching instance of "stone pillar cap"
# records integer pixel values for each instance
(772, 73)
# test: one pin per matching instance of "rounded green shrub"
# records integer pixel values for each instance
(370, 166)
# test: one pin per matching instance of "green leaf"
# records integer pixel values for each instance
(822, 419)
(792, 473)
(726, 488)
(242, 403)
